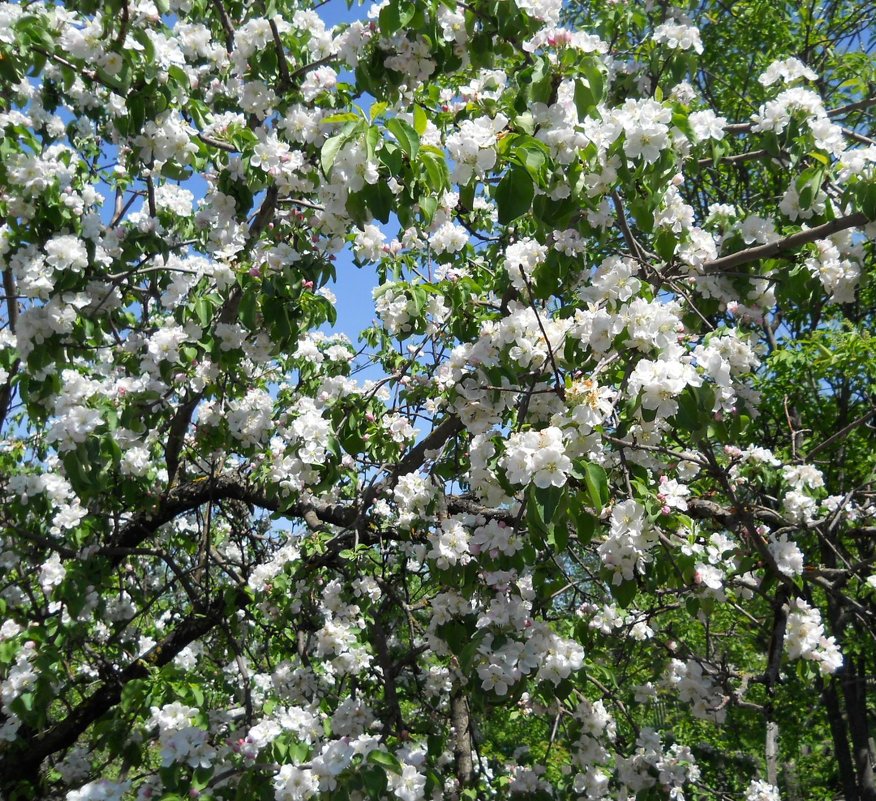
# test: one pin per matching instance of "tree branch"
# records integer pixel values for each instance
(790, 243)
(226, 25)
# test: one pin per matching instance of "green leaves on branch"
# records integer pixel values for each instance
(434, 165)
(385, 759)
(589, 90)
(695, 408)
(529, 163)
(406, 136)
(514, 195)
(596, 482)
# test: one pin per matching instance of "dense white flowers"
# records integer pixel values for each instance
(694, 685)
(678, 36)
(473, 147)
(645, 125)
(805, 638)
(761, 791)
(707, 125)
(537, 456)
(66, 253)
(839, 276)
(787, 70)
(100, 790)
(629, 541)
(270, 527)
(295, 784)
(409, 785)
(521, 259)
(788, 556)
(661, 382)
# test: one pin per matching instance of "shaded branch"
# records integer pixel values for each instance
(226, 25)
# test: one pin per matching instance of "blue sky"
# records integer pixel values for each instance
(354, 285)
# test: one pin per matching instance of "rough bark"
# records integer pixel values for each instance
(462, 751)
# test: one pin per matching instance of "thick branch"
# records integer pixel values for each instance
(23, 764)
(414, 458)
(841, 433)
(841, 749)
(388, 670)
(282, 66)
(790, 243)
(190, 496)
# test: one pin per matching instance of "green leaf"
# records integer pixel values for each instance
(372, 140)
(665, 243)
(866, 196)
(808, 185)
(456, 635)
(596, 481)
(420, 120)
(333, 144)
(547, 501)
(595, 81)
(687, 416)
(389, 19)
(204, 311)
(624, 593)
(533, 156)
(343, 116)
(514, 195)
(468, 654)
(437, 174)
(248, 308)
(585, 100)
(545, 514)
(385, 759)
(391, 155)
(584, 522)
(75, 467)
(330, 151)
(379, 200)
(407, 138)
(375, 781)
(136, 112)
(428, 207)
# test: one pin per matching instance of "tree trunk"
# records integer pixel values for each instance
(461, 722)
(856, 709)
(840, 741)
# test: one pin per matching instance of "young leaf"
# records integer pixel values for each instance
(406, 136)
